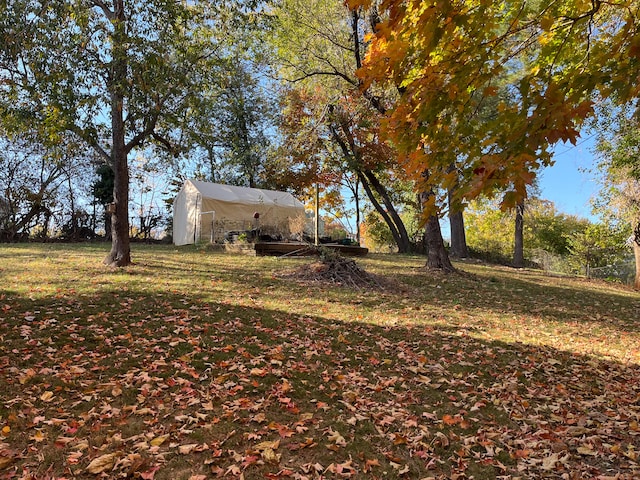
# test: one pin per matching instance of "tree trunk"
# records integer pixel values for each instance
(93, 218)
(356, 197)
(383, 213)
(45, 226)
(437, 257)
(107, 226)
(458, 238)
(120, 254)
(518, 246)
(636, 253)
(404, 245)
(72, 204)
(368, 180)
(456, 223)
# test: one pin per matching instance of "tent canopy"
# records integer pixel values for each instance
(204, 210)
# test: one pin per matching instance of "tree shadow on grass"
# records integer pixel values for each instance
(184, 384)
(527, 303)
(510, 293)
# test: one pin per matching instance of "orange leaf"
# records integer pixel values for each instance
(449, 420)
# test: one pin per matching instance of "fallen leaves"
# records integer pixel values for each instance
(5, 461)
(157, 441)
(267, 451)
(26, 376)
(46, 396)
(103, 463)
(223, 387)
(192, 448)
(336, 439)
(7, 456)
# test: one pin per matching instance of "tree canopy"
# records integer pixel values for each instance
(447, 59)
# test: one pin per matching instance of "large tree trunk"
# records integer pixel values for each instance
(636, 252)
(356, 196)
(458, 238)
(120, 254)
(437, 257)
(456, 223)
(518, 245)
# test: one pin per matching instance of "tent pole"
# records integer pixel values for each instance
(197, 219)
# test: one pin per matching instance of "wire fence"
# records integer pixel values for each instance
(622, 271)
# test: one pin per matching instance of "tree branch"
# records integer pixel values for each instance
(166, 143)
(105, 9)
(335, 73)
(91, 141)
(356, 39)
(148, 130)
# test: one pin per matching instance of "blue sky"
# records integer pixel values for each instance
(569, 183)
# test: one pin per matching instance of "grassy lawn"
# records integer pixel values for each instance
(193, 364)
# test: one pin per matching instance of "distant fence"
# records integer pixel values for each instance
(623, 271)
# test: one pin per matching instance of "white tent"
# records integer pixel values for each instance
(204, 211)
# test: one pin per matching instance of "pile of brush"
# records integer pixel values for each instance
(336, 269)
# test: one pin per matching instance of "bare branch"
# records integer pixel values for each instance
(335, 73)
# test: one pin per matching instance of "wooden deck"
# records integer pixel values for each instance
(304, 249)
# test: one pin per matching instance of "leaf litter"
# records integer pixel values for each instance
(175, 384)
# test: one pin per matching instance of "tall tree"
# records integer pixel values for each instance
(245, 118)
(599, 245)
(619, 149)
(102, 191)
(118, 74)
(232, 136)
(491, 230)
(29, 182)
(320, 45)
(37, 183)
